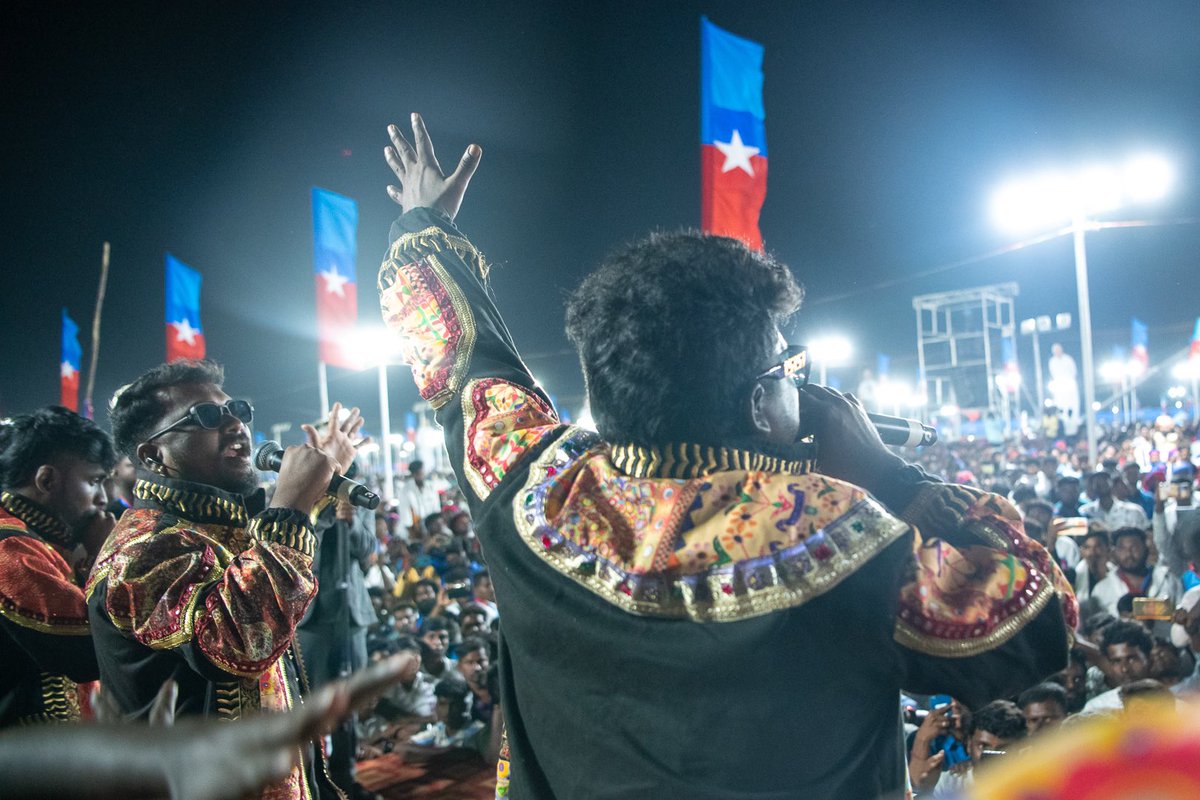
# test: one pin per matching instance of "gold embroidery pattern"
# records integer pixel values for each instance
(424, 304)
(195, 506)
(60, 698)
(738, 589)
(931, 644)
(228, 696)
(435, 240)
(297, 537)
(501, 422)
(37, 519)
(696, 461)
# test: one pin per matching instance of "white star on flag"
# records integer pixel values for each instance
(334, 281)
(184, 332)
(68, 371)
(737, 154)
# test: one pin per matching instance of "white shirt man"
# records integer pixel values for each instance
(417, 498)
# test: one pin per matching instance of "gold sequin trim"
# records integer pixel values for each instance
(683, 461)
(37, 519)
(434, 240)
(196, 506)
(297, 537)
(60, 700)
(913, 639)
(747, 588)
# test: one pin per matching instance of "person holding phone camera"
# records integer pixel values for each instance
(677, 585)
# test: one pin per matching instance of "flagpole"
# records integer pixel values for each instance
(323, 388)
(91, 381)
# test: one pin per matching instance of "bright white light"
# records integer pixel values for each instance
(1008, 381)
(368, 449)
(1096, 406)
(1134, 368)
(373, 346)
(408, 447)
(1179, 404)
(948, 410)
(892, 393)
(918, 399)
(832, 351)
(1147, 178)
(584, 420)
(1112, 371)
(1176, 392)
(1059, 197)
(1186, 370)
(1028, 326)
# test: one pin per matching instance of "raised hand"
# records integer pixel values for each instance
(422, 182)
(337, 439)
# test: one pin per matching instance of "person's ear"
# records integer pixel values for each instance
(151, 457)
(756, 411)
(46, 479)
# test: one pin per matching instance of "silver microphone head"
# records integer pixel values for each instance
(263, 455)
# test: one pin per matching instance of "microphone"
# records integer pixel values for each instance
(269, 455)
(901, 432)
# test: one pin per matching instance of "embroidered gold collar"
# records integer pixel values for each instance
(192, 501)
(37, 519)
(684, 460)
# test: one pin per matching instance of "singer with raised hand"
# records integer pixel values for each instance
(201, 581)
(689, 608)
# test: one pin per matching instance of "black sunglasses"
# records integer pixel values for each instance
(209, 416)
(793, 365)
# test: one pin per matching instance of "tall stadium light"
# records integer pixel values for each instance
(1190, 371)
(1075, 198)
(830, 351)
(377, 348)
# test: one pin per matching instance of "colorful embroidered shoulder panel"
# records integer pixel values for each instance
(424, 305)
(979, 579)
(37, 585)
(502, 421)
(725, 547)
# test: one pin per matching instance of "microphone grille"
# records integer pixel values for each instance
(263, 453)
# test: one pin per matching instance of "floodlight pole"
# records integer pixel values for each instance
(385, 433)
(1085, 338)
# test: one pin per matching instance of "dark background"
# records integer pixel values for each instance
(201, 129)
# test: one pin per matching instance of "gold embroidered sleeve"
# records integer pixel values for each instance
(979, 579)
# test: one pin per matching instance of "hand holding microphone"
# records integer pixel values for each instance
(850, 443)
(270, 456)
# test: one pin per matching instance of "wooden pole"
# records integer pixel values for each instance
(91, 381)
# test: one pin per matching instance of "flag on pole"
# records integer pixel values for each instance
(335, 246)
(733, 144)
(883, 364)
(185, 336)
(1194, 350)
(1138, 340)
(72, 354)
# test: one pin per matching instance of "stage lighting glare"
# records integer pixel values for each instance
(833, 350)
(1147, 178)
(948, 410)
(1186, 370)
(1112, 371)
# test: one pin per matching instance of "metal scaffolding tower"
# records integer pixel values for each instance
(961, 346)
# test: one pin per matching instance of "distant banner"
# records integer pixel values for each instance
(1194, 350)
(733, 143)
(1139, 341)
(335, 247)
(185, 335)
(72, 354)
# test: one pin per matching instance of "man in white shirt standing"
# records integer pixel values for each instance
(1108, 510)
(1133, 575)
(417, 499)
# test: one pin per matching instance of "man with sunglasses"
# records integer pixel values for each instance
(689, 609)
(202, 581)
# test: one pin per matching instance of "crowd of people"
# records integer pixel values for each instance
(1124, 532)
(690, 600)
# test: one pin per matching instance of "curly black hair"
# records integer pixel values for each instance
(31, 440)
(1125, 631)
(1000, 718)
(138, 408)
(671, 329)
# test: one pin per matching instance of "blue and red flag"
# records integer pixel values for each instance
(185, 335)
(1139, 339)
(72, 354)
(1194, 350)
(733, 143)
(335, 247)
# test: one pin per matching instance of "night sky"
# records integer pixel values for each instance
(201, 129)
